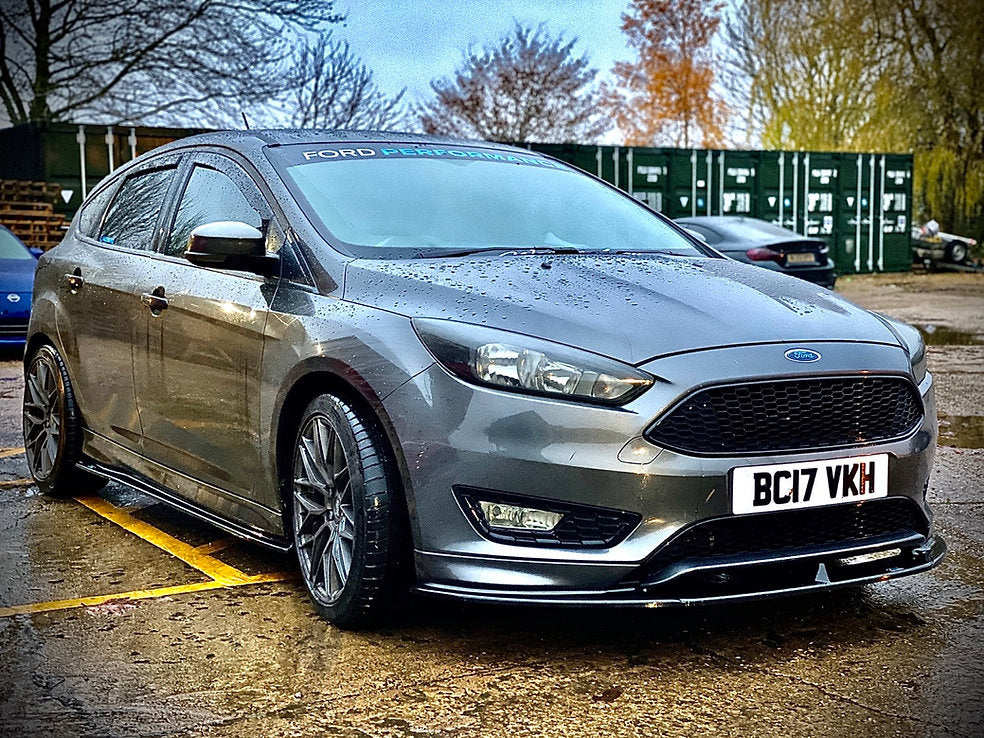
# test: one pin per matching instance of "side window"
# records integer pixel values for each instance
(91, 212)
(132, 216)
(209, 196)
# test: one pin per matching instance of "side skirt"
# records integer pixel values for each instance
(148, 487)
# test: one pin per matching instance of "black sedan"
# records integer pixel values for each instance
(764, 244)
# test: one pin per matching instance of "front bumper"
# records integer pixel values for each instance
(14, 316)
(453, 434)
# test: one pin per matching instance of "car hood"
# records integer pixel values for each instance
(632, 307)
(17, 275)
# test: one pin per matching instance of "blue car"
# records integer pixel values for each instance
(17, 265)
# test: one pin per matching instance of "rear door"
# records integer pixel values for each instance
(102, 316)
(198, 380)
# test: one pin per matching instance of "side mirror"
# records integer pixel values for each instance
(229, 244)
(36, 252)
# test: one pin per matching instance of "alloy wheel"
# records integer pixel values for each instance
(323, 510)
(42, 416)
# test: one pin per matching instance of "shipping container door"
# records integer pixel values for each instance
(737, 179)
(689, 183)
(895, 182)
(777, 188)
(649, 178)
(855, 249)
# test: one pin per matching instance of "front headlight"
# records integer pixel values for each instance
(519, 363)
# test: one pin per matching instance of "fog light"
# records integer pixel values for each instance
(498, 515)
(869, 557)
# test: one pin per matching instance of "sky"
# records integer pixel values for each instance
(408, 43)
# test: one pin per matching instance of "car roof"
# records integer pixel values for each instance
(250, 142)
(739, 229)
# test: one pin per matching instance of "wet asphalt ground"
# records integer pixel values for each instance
(216, 638)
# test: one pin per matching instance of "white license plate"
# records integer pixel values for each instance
(800, 258)
(808, 484)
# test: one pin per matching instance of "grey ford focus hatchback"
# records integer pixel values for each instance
(471, 370)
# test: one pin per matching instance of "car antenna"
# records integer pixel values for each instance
(245, 122)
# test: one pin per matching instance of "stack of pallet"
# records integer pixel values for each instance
(28, 209)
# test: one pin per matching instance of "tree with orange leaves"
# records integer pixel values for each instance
(665, 97)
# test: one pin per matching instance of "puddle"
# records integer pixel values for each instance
(963, 431)
(941, 335)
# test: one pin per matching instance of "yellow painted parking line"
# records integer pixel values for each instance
(140, 594)
(5, 452)
(26, 482)
(217, 570)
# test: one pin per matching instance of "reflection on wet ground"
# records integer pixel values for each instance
(941, 335)
(963, 431)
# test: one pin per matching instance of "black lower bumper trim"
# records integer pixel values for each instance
(760, 581)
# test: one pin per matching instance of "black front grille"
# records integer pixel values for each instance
(790, 415)
(785, 533)
(13, 329)
(583, 526)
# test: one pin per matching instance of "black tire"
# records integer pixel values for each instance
(53, 428)
(956, 252)
(327, 502)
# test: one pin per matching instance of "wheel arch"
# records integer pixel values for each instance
(36, 341)
(320, 376)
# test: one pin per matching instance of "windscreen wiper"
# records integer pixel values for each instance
(530, 250)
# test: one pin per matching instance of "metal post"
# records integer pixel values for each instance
(881, 219)
(710, 172)
(795, 187)
(782, 185)
(806, 194)
(598, 161)
(871, 213)
(615, 162)
(721, 183)
(109, 147)
(857, 221)
(132, 140)
(631, 169)
(693, 183)
(80, 137)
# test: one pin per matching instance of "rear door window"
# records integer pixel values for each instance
(131, 220)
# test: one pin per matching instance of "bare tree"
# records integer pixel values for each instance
(527, 87)
(122, 61)
(332, 88)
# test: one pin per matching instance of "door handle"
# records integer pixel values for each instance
(75, 280)
(155, 300)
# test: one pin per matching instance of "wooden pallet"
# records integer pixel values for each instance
(28, 209)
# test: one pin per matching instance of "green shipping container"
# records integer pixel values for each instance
(859, 203)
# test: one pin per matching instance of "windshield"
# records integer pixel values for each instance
(391, 202)
(11, 248)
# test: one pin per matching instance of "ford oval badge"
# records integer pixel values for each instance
(802, 355)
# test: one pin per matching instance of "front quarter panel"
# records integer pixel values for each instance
(370, 352)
